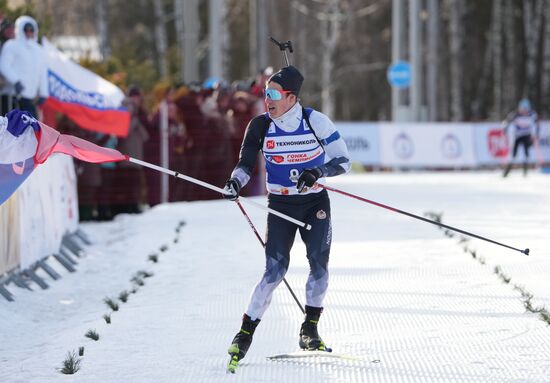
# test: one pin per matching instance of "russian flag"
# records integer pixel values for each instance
(26, 142)
(89, 100)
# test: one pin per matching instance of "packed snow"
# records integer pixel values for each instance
(406, 303)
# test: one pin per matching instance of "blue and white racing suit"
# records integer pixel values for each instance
(291, 145)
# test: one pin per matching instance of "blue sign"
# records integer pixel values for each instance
(400, 74)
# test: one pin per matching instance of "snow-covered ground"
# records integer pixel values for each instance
(405, 300)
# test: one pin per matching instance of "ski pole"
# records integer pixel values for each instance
(217, 189)
(263, 245)
(526, 251)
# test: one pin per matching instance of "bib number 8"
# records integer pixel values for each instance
(294, 174)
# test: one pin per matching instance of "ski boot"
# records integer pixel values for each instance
(241, 342)
(309, 337)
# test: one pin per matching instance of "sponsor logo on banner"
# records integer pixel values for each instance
(544, 141)
(497, 142)
(403, 146)
(270, 144)
(357, 143)
(450, 146)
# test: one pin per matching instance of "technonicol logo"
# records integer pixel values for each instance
(292, 143)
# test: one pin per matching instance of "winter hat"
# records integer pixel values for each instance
(524, 104)
(289, 78)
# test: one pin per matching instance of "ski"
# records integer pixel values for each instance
(313, 354)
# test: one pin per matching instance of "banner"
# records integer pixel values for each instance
(426, 145)
(9, 235)
(48, 208)
(544, 143)
(89, 100)
(493, 147)
(434, 145)
(362, 141)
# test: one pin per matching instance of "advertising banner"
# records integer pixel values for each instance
(542, 152)
(494, 147)
(362, 141)
(9, 235)
(426, 144)
(48, 208)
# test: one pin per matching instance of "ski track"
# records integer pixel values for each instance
(406, 300)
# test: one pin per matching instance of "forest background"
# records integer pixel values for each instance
(488, 54)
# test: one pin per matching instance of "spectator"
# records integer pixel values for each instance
(179, 144)
(258, 86)
(243, 108)
(7, 32)
(89, 174)
(109, 197)
(161, 91)
(194, 120)
(257, 90)
(23, 64)
(132, 145)
(217, 139)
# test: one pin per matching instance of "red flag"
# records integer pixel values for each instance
(51, 141)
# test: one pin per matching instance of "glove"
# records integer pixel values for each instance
(234, 187)
(308, 178)
(18, 87)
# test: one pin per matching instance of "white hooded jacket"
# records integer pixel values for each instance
(24, 60)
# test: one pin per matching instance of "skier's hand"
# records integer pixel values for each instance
(308, 178)
(234, 187)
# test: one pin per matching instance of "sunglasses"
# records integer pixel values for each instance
(275, 94)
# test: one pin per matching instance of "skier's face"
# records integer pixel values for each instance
(277, 100)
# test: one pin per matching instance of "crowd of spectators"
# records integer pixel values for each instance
(206, 124)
